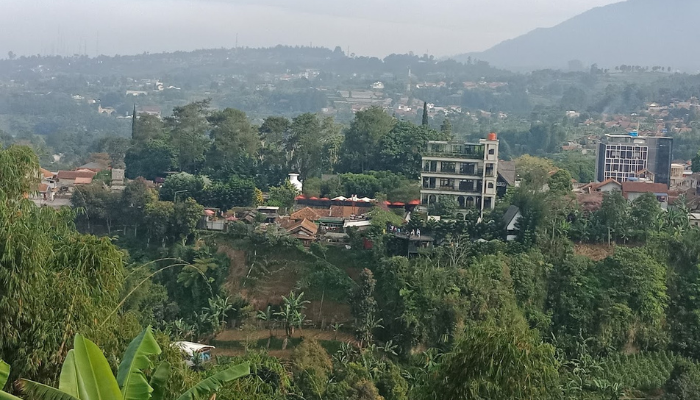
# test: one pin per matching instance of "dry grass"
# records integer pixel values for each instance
(595, 252)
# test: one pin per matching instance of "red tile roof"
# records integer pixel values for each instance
(305, 213)
(304, 226)
(75, 174)
(82, 181)
(643, 187)
(347, 211)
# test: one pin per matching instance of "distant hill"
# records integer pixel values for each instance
(634, 32)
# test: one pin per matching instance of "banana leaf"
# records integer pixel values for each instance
(214, 382)
(130, 376)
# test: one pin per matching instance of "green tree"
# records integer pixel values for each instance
(645, 212)
(400, 149)
(533, 171)
(98, 205)
(283, 196)
(695, 166)
(158, 218)
(54, 281)
(364, 307)
(496, 363)
(312, 368)
(188, 126)
(560, 182)
(425, 121)
(361, 147)
(634, 300)
(446, 127)
(149, 160)
(135, 198)
(612, 219)
(187, 215)
(185, 185)
(235, 143)
(147, 128)
(306, 143)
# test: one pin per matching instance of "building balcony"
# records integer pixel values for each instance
(477, 173)
(467, 156)
(450, 189)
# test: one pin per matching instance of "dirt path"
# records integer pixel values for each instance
(242, 335)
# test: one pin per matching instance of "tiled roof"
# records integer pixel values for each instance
(305, 213)
(82, 181)
(506, 169)
(643, 187)
(305, 225)
(347, 211)
(75, 174)
(46, 173)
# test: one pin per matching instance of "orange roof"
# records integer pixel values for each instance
(643, 187)
(43, 187)
(83, 181)
(305, 213)
(46, 173)
(347, 211)
(594, 186)
(305, 225)
(75, 174)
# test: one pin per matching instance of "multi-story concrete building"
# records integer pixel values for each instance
(466, 171)
(621, 157)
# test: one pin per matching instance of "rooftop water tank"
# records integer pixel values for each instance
(294, 180)
(492, 136)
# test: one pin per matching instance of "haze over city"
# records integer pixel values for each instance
(374, 28)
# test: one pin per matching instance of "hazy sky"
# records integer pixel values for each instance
(368, 27)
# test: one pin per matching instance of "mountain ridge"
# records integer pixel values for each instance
(633, 32)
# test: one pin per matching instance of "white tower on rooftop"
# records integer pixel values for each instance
(294, 180)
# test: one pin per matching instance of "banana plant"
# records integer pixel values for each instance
(86, 375)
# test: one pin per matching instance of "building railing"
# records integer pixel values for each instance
(467, 156)
(476, 191)
(478, 173)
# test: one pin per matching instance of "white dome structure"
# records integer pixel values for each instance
(294, 180)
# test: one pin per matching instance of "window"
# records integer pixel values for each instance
(492, 151)
(447, 166)
(447, 183)
(490, 185)
(489, 170)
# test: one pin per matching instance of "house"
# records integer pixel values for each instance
(506, 177)
(82, 181)
(304, 230)
(105, 110)
(633, 190)
(607, 186)
(67, 179)
(92, 166)
(150, 110)
(307, 213)
(510, 220)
